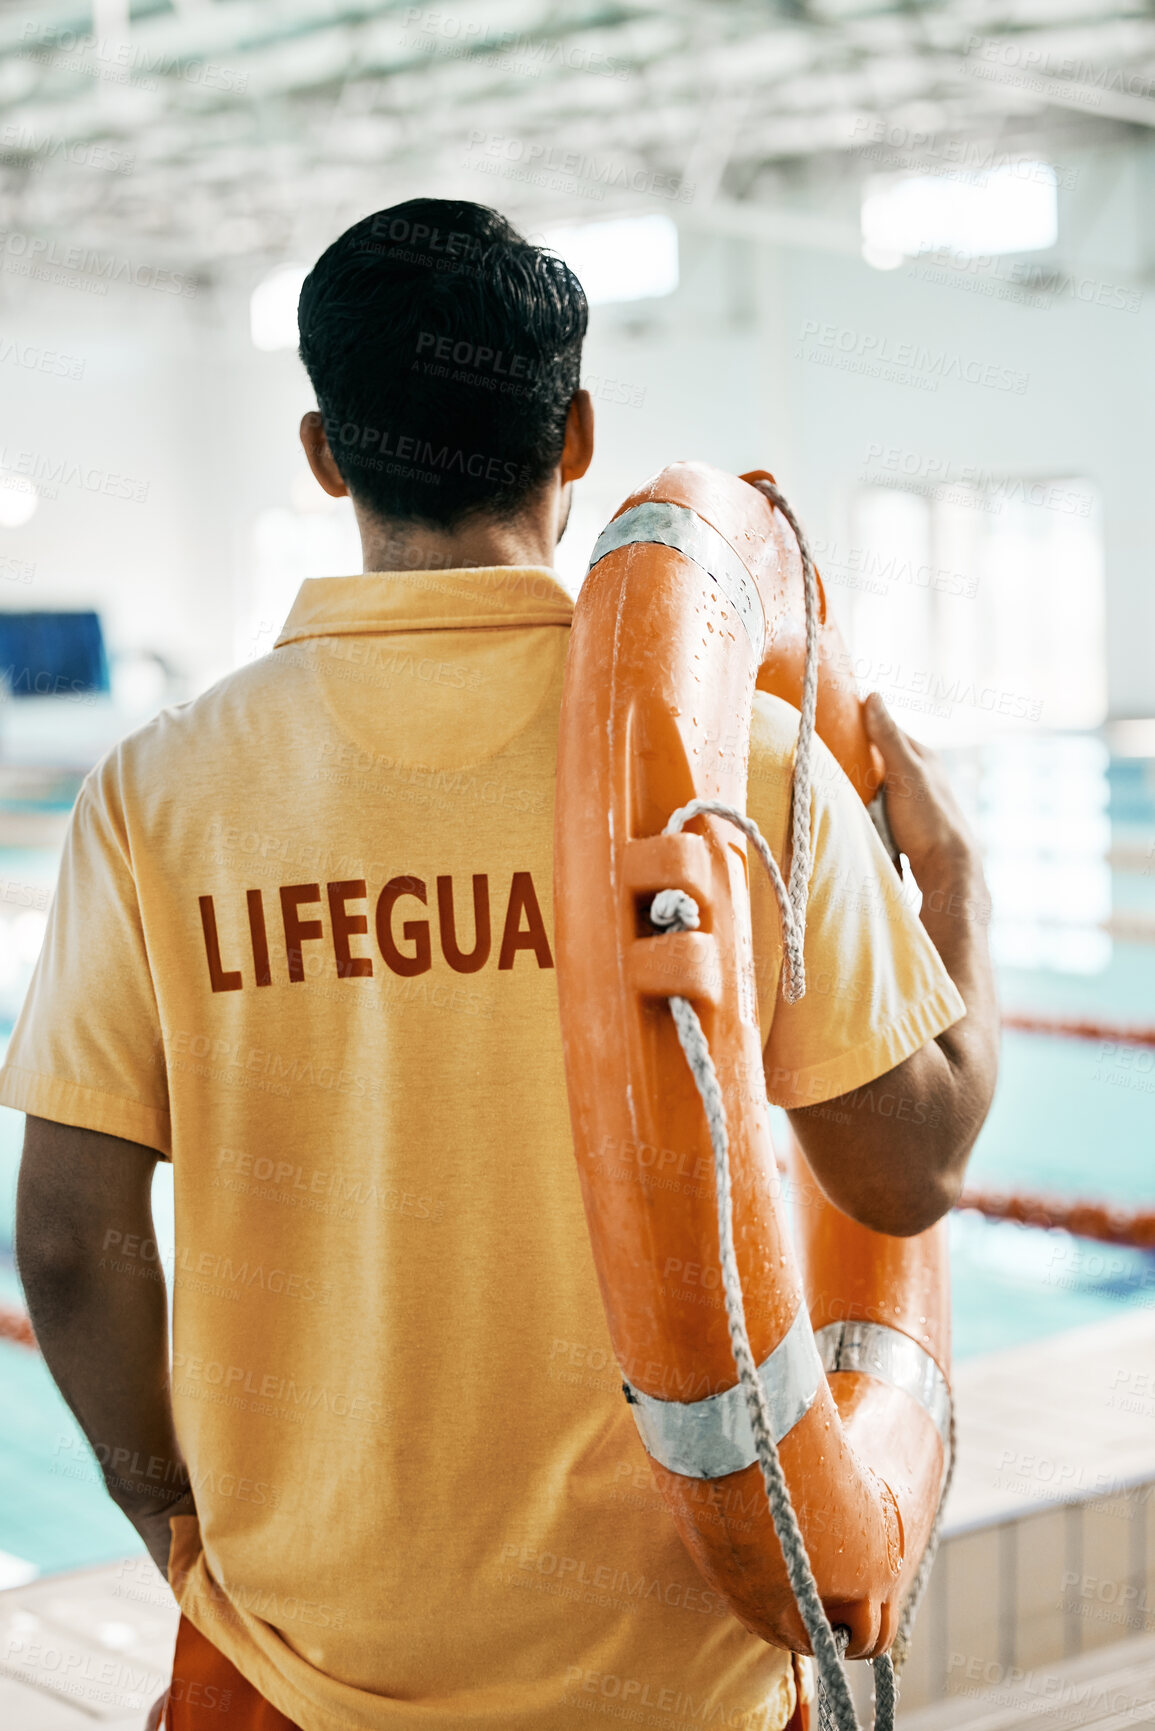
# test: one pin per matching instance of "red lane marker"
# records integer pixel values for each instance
(1079, 1030)
(1098, 1220)
(14, 1325)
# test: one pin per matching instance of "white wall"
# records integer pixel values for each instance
(156, 562)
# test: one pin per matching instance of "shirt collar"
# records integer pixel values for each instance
(386, 601)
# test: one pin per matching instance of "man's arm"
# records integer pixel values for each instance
(893, 1154)
(87, 1256)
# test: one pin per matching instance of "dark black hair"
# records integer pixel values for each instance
(444, 350)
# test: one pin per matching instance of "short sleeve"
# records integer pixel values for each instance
(87, 1047)
(876, 988)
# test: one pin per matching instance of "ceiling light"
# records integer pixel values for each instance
(1013, 208)
(629, 258)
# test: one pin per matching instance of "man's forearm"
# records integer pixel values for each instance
(956, 912)
(101, 1316)
(104, 1337)
(892, 1154)
(931, 830)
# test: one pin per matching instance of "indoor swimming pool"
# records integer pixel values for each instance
(1072, 1117)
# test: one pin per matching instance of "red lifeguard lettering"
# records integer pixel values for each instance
(408, 953)
(479, 955)
(415, 932)
(298, 930)
(259, 937)
(523, 900)
(219, 979)
(347, 925)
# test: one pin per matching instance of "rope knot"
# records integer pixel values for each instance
(674, 911)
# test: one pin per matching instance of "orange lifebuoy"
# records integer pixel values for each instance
(694, 597)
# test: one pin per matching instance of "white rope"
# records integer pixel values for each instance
(669, 910)
(793, 928)
(885, 1692)
(795, 986)
(677, 911)
(826, 1717)
(800, 839)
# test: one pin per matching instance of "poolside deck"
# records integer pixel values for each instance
(89, 1648)
(1107, 1690)
(1038, 1602)
(1049, 1533)
(1061, 1419)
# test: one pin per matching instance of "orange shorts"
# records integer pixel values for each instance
(208, 1693)
(206, 1685)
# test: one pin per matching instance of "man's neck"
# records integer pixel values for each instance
(391, 545)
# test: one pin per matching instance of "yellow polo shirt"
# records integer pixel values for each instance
(302, 944)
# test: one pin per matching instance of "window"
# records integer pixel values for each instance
(1044, 826)
(977, 609)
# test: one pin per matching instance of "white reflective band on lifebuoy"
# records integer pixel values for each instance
(872, 1349)
(678, 527)
(705, 1439)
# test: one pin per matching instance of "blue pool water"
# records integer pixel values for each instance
(1071, 1117)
